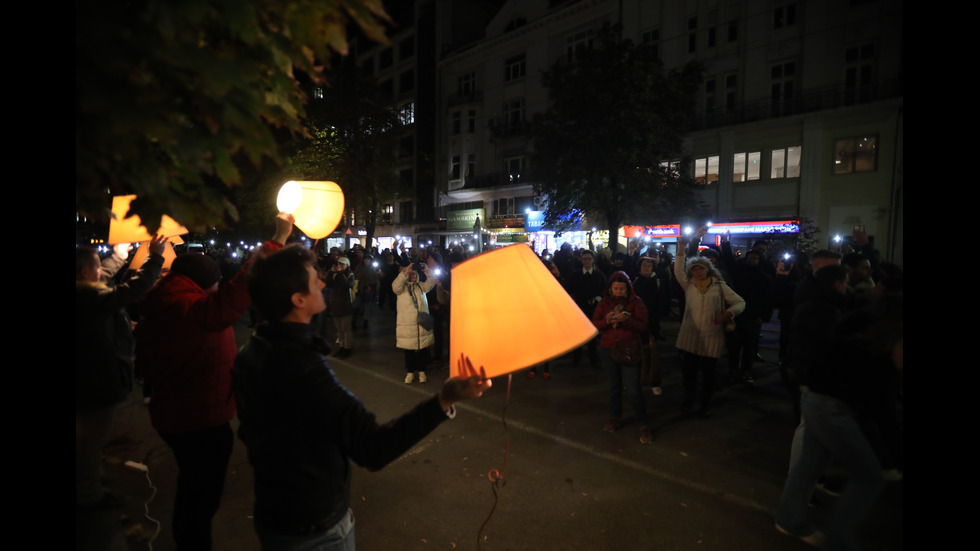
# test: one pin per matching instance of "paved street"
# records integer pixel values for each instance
(703, 484)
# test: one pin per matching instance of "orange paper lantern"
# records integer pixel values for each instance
(508, 313)
(142, 253)
(316, 206)
(123, 229)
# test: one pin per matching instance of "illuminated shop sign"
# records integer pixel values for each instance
(534, 221)
(779, 226)
(652, 231)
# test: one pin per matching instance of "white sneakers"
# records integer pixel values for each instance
(410, 378)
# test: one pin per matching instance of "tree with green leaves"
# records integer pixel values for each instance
(615, 116)
(171, 96)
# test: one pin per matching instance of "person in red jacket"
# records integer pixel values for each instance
(185, 347)
(622, 316)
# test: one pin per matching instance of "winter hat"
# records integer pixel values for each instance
(199, 268)
(344, 260)
(700, 261)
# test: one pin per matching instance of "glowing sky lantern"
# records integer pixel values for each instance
(317, 207)
(508, 312)
(123, 229)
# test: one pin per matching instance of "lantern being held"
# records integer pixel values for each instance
(316, 206)
(511, 313)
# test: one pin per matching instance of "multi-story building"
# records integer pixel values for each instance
(800, 113)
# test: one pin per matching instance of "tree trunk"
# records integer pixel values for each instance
(612, 222)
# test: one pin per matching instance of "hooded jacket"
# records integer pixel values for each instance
(409, 335)
(699, 334)
(629, 330)
(185, 347)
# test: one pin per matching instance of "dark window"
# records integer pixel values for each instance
(406, 81)
(466, 84)
(385, 59)
(784, 16)
(692, 34)
(651, 40)
(406, 48)
(454, 168)
(514, 68)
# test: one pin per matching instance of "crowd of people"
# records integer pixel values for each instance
(839, 355)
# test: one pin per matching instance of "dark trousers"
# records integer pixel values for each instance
(416, 360)
(743, 344)
(202, 459)
(694, 365)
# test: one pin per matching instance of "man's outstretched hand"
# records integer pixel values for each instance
(470, 384)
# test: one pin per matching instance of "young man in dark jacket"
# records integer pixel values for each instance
(301, 426)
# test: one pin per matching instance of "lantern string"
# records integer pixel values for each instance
(497, 477)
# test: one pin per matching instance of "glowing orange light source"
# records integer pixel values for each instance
(142, 253)
(508, 313)
(317, 206)
(123, 229)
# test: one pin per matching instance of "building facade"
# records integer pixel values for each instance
(800, 115)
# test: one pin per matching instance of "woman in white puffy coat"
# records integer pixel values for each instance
(709, 304)
(411, 337)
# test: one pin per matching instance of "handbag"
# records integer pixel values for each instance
(424, 319)
(625, 352)
(729, 325)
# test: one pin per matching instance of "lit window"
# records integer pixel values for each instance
(856, 155)
(513, 167)
(406, 113)
(786, 162)
(706, 169)
(747, 166)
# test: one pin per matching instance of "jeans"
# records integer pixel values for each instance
(340, 537)
(619, 376)
(831, 432)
